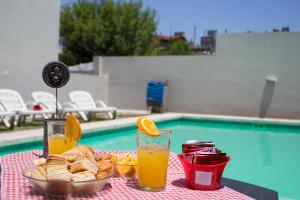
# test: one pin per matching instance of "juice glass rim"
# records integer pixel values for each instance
(56, 121)
(161, 131)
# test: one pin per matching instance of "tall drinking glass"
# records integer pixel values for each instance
(153, 156)
(57, 140)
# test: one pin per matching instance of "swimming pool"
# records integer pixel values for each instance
(265, 154)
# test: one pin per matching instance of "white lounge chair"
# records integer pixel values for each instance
(13, 102)
(48, 101)
(84, 101)
(7, 117)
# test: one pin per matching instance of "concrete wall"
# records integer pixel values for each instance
(232, 82)
(29, 36)
(96, 85)
(28, 40)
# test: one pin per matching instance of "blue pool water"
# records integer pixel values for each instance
(267, 155)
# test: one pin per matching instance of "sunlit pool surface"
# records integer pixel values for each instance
(267, 155)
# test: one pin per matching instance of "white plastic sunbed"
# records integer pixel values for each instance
(48, 101)
(7, 117)
(13, 102)
(84, 101)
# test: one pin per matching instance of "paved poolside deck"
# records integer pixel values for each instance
(37, 134)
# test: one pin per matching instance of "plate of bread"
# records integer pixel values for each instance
(77, 171)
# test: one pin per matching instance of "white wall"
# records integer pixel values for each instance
(96, 85)
(28, 40)
(232, 82)
(29, 36)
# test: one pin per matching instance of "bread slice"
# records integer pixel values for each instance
(60, 177)
(77, 153)
(84, 164)
(103, 174)
(102, 157)
(80, 150)
(39, 173)
(55, 159)
(59, 172)
(83, 176)
(104, 167)
(39, 162)
(57, 167)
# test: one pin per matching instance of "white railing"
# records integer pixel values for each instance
(86, 68)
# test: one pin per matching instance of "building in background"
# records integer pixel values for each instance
(283, 29)
(208, 43)
(165, 41)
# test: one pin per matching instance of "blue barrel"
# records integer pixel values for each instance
(155, 93)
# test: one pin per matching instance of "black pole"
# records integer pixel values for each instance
(56, 114)
(45, 149)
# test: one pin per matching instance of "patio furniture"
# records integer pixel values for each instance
(7, 117)
(117, 188)
(48, 101)
(84, 101)
(13, 102)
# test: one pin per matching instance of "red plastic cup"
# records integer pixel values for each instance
(203, 177)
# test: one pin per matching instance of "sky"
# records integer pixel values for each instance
(235, 16)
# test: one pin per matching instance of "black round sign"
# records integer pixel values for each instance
(56, 74)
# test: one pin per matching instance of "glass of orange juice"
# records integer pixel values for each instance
(153, 156)
(57, 140)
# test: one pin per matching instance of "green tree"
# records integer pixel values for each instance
(106, 27)
(179, 48)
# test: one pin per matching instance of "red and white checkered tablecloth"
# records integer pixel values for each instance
(14, 186)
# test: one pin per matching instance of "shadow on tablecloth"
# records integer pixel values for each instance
(181, 183)
(250, 190)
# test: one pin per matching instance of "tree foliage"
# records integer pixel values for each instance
(106, 27)
(179, 48)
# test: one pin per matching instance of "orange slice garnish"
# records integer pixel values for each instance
(147, 126)
(72, 128)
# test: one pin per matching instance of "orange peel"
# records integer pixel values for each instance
(147, 126)
(72, 128)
